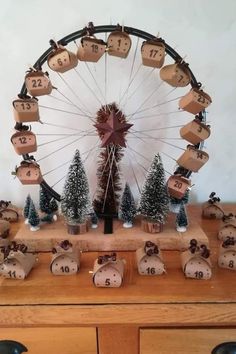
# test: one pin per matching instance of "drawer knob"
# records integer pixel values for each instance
(11, 347)
(225, 348)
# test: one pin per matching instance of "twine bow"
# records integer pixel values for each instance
(107, 258)
(202, 250)
(13, 247)
(150, 248)
(65, 245)
(230, 241)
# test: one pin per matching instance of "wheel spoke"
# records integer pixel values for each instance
(88, 87)
(61, 148)
(86, 111)
(94, 79)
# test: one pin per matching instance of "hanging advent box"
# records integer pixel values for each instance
(153, 53)
(193, 159)
(24, 142)
(176, 75)
(29, 173)
(195, 132)
(195, 101)
(227, 255)
(26, 110)
(149, 260)
(108, 271)
(62, 60)
(119, 44)
(91, 49)
(65, 259)
(177, 186)
(17, 265)
(38, 83)
(196, 262)
(228, 228)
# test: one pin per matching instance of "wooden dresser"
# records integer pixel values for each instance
(147, 315)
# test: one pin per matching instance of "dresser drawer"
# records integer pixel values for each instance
(54, 340)
(181, 341)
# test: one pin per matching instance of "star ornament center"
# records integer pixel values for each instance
(113, 131)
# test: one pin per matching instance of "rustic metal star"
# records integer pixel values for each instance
(113, 131)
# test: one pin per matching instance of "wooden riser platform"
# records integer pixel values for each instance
(121, 240)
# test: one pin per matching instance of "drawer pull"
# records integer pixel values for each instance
(225, 348)
(10, 347)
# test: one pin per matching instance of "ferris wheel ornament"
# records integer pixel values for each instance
(114, 127)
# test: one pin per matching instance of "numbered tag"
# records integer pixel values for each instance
(119, 44)
(151, 265)
(91, 49)
(193, 159)
(29, 173)
(176, 75)
(178, 186)
(38, 83)
(195, 132)
(153, 53)
(227, 259)
(62, 60)
(65, 264)
(197, 268)
(108, 274)
(17, 265)
(195, 101)
(228, 230)
(24, 142)
(149, 260)
(26, 110)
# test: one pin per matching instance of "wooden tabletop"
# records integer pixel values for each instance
(41, 287)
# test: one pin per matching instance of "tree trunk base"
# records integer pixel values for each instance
(77, 229)
(151, 227)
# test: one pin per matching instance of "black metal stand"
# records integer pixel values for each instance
(108, 224)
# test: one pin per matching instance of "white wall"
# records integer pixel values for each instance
(205, 30)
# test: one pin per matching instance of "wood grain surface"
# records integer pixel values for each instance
(187, 341)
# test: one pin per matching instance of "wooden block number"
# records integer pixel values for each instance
(64, 265)
(228, 260)
(25, 106)
(178, 184)
(60, 61)
(198, 269)
(119, 45)
(151, 271)
(203, 101)
(151, 265)
(11, 269)
(198, 274)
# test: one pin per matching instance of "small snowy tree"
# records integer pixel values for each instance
(54, 208)
(181, 219)
(33, 217)
(75, 197)
(154, 201)
(26, 208)
(44, 201)
(127, 207)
